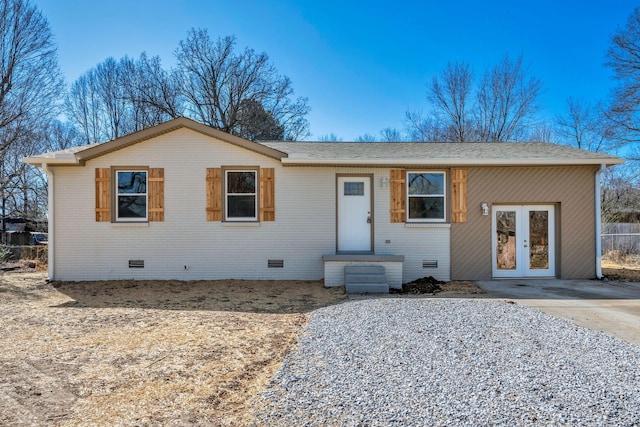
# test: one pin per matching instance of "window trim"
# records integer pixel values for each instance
(225, 205)
(408, 196)
(116, 208)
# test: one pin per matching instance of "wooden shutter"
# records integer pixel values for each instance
(103, 194)
(267, 195)
(214, 194)
(398, 196)
(459, 195)
(156, 194)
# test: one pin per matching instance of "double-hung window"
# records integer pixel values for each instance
(241, 195)
(426, 196)
(131, 195)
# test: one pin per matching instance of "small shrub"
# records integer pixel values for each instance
(5, 254)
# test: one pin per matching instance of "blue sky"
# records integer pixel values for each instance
(362, 64)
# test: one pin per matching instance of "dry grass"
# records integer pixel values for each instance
(622, 270)
(143, 353)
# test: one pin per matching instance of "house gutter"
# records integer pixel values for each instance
(51, 221)
(598, 213)
(298, 160)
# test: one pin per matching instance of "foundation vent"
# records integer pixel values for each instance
(136, 263)
(275, 263)
(429, 263)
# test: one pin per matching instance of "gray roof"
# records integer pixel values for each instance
(436, 153)
(352, 153)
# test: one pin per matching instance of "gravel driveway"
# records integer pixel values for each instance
(414, 361)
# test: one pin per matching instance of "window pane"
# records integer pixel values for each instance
(132, 182)
(539, 240)
(506, 240)
(241, 182)
(426, 183)
(241, 207)
(354, 188)
(132, 207)
(426, 208)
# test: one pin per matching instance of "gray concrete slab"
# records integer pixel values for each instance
(610, 307)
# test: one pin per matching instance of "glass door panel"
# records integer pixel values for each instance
(506, 258)
(538, 240)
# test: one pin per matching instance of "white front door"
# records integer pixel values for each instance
(354, 214)
(523, 241)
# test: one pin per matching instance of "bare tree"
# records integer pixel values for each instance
(423, 128)
(153, 93)
(390, 134)
(366, 137)
(542, 132)
(83, 108)
(450, 95)
(216, 81)
(330, 137)
(623, 57)
(585, 126)
(500, 107)
(30, 86)
(97, 103)
(506, 101)
(120, 97)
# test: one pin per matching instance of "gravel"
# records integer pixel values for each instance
(416, 362)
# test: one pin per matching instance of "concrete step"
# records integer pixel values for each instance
(365, 279)
(364, 269)
(367, 288)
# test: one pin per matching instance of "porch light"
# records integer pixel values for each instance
(485, 209)
(384, 182)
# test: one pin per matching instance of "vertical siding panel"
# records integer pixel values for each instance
(156, 194)
(214, 194)
(267, 196)
(459, 195)
(398, 202)
(103, 194)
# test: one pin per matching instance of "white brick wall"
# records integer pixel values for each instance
(304, 229)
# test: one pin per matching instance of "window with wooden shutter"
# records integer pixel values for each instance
(156, 194)
(103, 194)
(398, 197)
(214, 194)
(459, 195)
(426, 196)
(267, 195)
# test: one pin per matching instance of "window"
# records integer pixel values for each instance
(131, 195)
(241, 195)
(426, 196)
(354, 188)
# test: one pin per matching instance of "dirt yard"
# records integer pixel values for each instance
(149, 353)
(144, 353)
(621, 272)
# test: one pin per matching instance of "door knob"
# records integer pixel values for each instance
(368, 217)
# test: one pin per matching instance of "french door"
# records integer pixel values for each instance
(523, 241)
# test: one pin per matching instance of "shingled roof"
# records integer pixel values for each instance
(436, 153)
(353, 153)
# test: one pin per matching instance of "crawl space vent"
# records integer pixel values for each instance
(427, 263)
(275, 263)
(136, 263)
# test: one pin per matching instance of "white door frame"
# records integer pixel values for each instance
(520, 242)
(354, 214)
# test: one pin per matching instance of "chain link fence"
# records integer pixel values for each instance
(620, 240)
